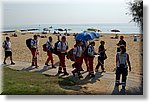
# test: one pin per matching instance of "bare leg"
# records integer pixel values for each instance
(5, 60)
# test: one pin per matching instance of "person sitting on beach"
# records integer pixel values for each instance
(49, 47)
(34, 50)
(102, 56)
(90, 53)
(77, 54)
(8, 50)
(121, 42)
(62, 49)
(122, 58)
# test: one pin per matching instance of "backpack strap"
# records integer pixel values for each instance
(5, 44)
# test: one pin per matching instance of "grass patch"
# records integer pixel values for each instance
(33, 83)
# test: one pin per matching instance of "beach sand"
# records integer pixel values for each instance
(134, 49)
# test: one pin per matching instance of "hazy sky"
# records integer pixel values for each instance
(70, 12)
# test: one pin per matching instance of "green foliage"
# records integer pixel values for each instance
(136, 10)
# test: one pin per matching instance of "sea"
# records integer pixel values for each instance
(124, 28)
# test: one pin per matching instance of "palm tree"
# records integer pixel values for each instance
(136, 10)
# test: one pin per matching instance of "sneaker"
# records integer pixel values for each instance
(47, 64)
(80, 76)
(59, 72)
(12, 63)
(36, 66)
(65, 73)
(92, 75)
(73, 73)
(103, 71)
(81, 69)
(53, 66)
(32, 65)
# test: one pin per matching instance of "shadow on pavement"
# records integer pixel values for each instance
(74, 83)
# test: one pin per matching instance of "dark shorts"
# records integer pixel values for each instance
(8, 53)
(100, 59)
(123, 71)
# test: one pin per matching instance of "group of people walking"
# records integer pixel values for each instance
(82, 51)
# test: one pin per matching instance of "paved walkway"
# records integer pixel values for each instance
(103, 83)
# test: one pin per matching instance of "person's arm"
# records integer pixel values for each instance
(128, 61)
(117, 59)
(118, 44)
(74, 53)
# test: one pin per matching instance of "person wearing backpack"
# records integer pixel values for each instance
(90, 53)
(84, 56)
(102, 56)
(34, 50)
(122, 59)
(49, 47)
(77, 54)
(8, 50)
(62, 49)
(55, 45)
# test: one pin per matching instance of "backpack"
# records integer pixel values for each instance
(55, 48)
(44, 48)
(5, 45)
(28, 43)
(70, 54)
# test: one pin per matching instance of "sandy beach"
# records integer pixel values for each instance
(22, 53)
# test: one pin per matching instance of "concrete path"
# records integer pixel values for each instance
(103, 83)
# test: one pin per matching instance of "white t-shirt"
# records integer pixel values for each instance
(91, 51)
(34, 43)
(7, 44)
(122, 59)
(78, 51)
(49, 45)
(62, 46)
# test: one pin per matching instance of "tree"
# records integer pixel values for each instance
(136, 10)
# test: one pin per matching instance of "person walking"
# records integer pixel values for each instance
(122, 59)
(102, 56)
(49, 47)
(62, 48)
(84, 56)
(91, 52)
(34, 50)
(77, 54)
(8, 50)
(120, 43)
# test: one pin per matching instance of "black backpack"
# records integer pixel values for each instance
(44, 48)
(28, 43)
(55, 48)
(70, 54)
(5, 46)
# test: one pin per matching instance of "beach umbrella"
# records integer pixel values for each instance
(115, 30)
(17, 31)
(85, 36)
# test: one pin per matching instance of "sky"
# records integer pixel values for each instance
(65, 12)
